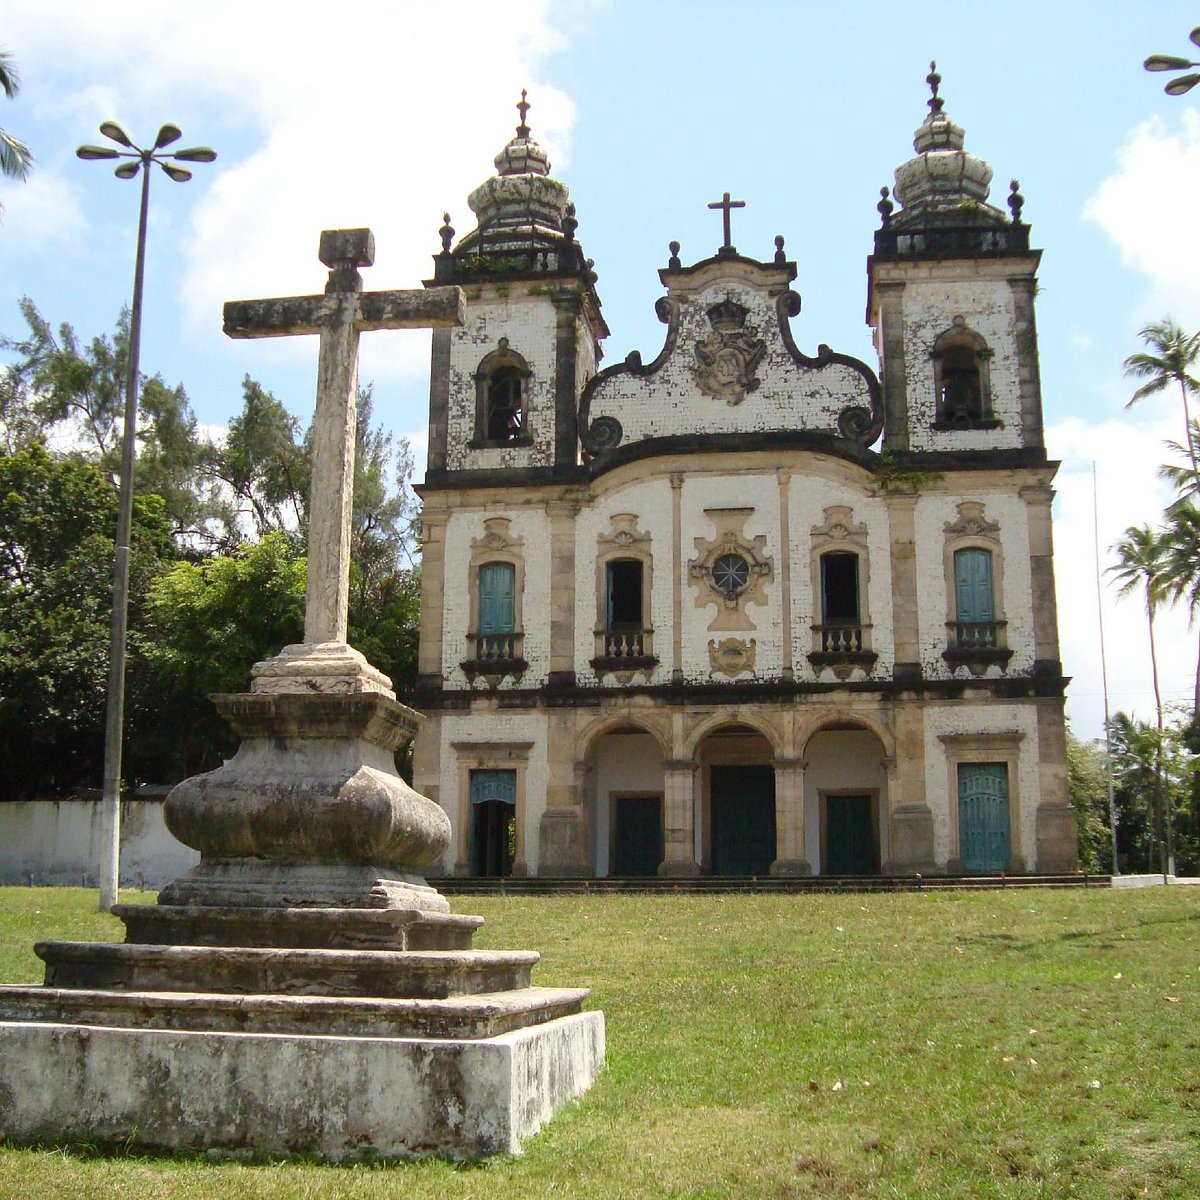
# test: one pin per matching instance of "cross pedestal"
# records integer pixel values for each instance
(302, 990)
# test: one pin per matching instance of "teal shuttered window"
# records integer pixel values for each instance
(974, 600)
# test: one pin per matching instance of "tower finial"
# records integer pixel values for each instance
(523, 108)
(934, 80)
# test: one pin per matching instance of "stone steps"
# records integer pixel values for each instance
(483, 1015)
(297, 928)
(412, 974)
(534, 886)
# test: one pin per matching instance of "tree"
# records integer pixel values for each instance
(57, 522)
(1169, 360)
(1141, 564)
(1087, 783)
(1181, 567)
(207, 623)
(15, 156)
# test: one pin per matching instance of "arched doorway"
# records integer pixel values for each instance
(739, 788)
(493, 831)
(627, 807)
(845, 801)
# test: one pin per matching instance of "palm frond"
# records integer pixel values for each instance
(10, 79)
(15, 157)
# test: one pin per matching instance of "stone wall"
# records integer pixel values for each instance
(57, 843)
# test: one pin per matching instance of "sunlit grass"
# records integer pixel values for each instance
(996, 1044)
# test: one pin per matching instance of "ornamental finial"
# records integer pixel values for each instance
(446, 233)
(936, 103)
(523, 108)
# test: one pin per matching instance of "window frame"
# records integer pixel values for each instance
(960, 337)
(502, 364)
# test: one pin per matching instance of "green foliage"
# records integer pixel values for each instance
(207, 623)
(57, 521)
(15, 157)
(1087, 783)
(893, 476)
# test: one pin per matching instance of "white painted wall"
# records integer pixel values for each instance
(934, 589)
(986, 305)
(669, 402)
(530, 524)
(625, 762)
(58, 843)
(974, 716)
(840, 760)
(494, 727)
(529, 324)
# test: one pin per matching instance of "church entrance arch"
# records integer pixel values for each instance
(627, 802)
(739, 802)
(845, 801)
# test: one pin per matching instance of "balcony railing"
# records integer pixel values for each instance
(494, 654)
(840, 638)
(841, 643)
(976, 644)
(975, 635)
(624, 649)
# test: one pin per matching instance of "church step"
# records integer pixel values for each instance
(426, 974)
(485, 1015)
(297, 928)
(545, 885)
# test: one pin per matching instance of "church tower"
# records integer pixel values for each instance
(505, 384)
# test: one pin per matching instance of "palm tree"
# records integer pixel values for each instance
(1170, 358)
(15, 157)
(1181, 566)
(1141, 563)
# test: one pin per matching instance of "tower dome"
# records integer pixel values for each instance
(943, 183)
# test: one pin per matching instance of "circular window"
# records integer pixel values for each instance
(730, 574)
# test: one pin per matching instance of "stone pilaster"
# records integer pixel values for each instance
(1057, 837)
(1041, 569)
(785, 574)
(909, 815)
(563, 841)
(791, 857)
(679, 819)
(890, 341)
(1025, 334)
(567, 309)
(902, 512)
(433, 593)
(562, 514)
(676, 577)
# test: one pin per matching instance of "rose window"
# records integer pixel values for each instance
(730, 574)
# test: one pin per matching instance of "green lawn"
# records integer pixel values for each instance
(1007, 1044)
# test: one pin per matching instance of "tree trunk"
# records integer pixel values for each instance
(1161, 817)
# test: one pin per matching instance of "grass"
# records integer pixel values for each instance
(997, 1044)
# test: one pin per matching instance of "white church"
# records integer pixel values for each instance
(743, 610)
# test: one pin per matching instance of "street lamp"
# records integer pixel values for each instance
(110, 858)
(1171, 62)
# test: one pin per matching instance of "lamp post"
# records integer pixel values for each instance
(1171, 62)
(139, 160)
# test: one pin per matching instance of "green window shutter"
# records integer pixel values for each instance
(973, 600)
(496, 587)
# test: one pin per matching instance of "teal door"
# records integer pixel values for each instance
(849, 836)
(493, 833)
(983, 818)
(637, 836)
(743, 820)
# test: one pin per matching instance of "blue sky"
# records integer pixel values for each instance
(386, 114)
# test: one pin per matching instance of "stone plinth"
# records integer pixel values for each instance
(310, 810)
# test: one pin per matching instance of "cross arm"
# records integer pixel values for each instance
(429, 308)
(277, 318)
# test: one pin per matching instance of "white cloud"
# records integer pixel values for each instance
(40, 213)
(1127, 457)
(1148, 208)
(372, 114)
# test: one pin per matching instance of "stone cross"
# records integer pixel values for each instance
(726, 204)
(339, 316)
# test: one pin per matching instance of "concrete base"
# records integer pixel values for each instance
(335, 1097)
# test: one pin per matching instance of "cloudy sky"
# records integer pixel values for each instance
(386, 114)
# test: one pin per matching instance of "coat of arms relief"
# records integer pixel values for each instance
(726, 360)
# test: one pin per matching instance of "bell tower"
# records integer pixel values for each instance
(952, 284)
(505, 386)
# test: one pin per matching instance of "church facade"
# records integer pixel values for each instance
(743, 609)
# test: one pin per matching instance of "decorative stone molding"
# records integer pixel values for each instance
(999, 747)
(841, 646)
(493, 661)
(624, 652)
(726, 360)
(731, 570)
(503, 360)
(972, 529)
(731, 656)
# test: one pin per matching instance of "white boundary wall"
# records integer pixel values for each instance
(57, 843)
